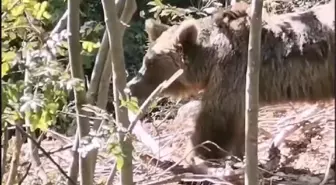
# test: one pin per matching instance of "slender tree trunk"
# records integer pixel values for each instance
(12, 174)
(83, 126)
(115, 31)
(101, 76)
(74, 167)
(4, 151)
(252, 95)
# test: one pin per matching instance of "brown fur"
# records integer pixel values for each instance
(225, 15)
(298, 51)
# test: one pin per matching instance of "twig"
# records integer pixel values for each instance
(61, 24)
(297, 121)
(39, 141)
(326, 175)
(175, 169)
(188, 177)
(58, 136)
(44, 152)
(26, 174)
(4, 151)
(81, 115)
(60, 149)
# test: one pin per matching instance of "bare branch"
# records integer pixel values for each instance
(326, 175)
(61, 23)
(4, 150)
(252, 95)
(26, 174)
(20, 129)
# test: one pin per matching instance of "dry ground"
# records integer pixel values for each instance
(304, 154)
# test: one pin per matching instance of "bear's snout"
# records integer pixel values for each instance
(139, 88)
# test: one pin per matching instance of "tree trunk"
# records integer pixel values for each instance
(252, 95)
(115, 32)
(85, 163)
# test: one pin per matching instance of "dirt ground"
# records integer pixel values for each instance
(304, 153)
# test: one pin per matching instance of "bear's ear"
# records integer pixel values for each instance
(154, 29)
(187, 33)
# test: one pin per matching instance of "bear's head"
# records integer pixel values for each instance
(165, 56)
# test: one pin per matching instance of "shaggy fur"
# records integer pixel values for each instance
(298, 59)
(225, 15)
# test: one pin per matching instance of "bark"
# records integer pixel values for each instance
(85, 162)
(74, 167)
(102, 70)
(97, 72)
(4, 150)
(252, 95)
(115, 32)
(12, 175)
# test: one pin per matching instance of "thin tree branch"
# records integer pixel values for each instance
(20, 129)
(26, 174)
(252, 95)
(116, 32)
(83, 126)
(4, 150)
(15, 157)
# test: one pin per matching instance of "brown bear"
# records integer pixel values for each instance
(298, 59)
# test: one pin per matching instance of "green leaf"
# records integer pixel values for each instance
(37, 6)
(41, 9)
(114, 148)
(151, 3)
(120, 162)
(4, 101)
(44, 121)
(46, 15)
(4, 69)
(16, 116)
(43, 6)
(89, 46)
(96, 45)
(34, 120)
(84, 45)
(52, 108)
(158, 2)
(39, 15)
(131, 104)
(18, 10)
(8, 56)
